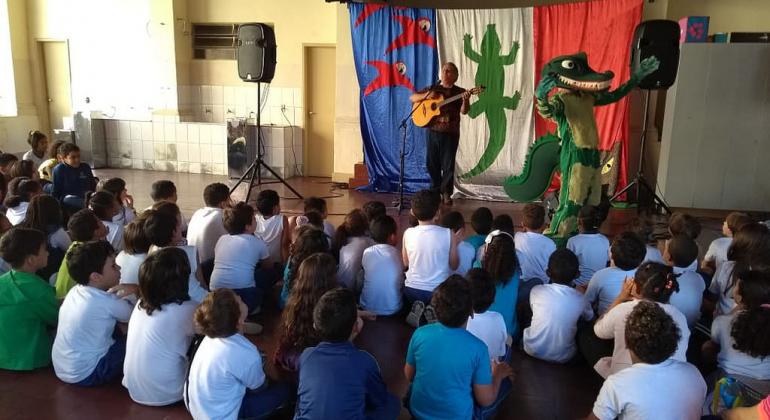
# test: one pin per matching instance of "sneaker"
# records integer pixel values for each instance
(430, 315)
(415, 315)
(251, 328)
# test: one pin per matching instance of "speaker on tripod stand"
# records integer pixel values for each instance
(256, 54)
(658, 38)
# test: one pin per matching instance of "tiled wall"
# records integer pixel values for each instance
(218, 103)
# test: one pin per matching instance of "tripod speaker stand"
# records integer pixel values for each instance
(254, 172)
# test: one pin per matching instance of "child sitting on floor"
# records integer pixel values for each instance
(89, 348)
(309, 241)
(533, 249)
(28, 306)
(45, 170)
(71, 178)
(680, 252)
(337, 380)
(39, 144)
(44, 214)
(350, 241)
(125, 202)
(717, 252)
(374, 209)
(502, 265)
(626, 253)
(464, 377)
(316, 204)
(162, 190)
(383, 273)
(465, 251)
(160, 330)
(487, 325)
(226, 378)
(136, 245)
(206, 226)
(83, 226)
(20, 192)
(685, 224)
(272, 226)
(105, 207)
(481, 222)
(591, 247)
(656, 385)
(556, 310)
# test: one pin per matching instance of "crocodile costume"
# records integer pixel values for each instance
(575, 146)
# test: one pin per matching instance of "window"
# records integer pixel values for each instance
(7, 86)
(214, 42)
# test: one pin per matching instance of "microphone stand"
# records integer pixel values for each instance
(400, 203)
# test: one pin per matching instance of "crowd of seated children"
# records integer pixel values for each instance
(349, 244)
(655, 385)
(502, 264)
(590, 246)
(206, 226)
(429, 255)
(466, 252)
(90, 346)
(337, 380)
(626, 253)
(382, 269)
(556, 309)
(310, 240)
(532, 249)
(486, 324)
(105, 207)
(680, 252)
(83, 226)
(272, 226)
(124, 200)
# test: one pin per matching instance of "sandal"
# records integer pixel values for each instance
(415, 315)
(430, 315)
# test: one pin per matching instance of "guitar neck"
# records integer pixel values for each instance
(451, 99)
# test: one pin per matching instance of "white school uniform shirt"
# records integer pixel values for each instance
(653, 254)
(350, 259)
(592, 251)
(467, 254)
(220, 372)
(605, 286)
(718, 251)
(613, 325)
(194, 289)
(87, 320)
(383, 279)
(533, 251)
(427, 247)
(236, 259)
(690, 295)
(329, 229)
(31, 156)
(129, 266)
(204, 230)
(125, 216)
(60, 239)
(718, 286)
(733, 361)
(156, 353)
(489, 327)
(271, 231)
(114, 234)
(670, 390)
(556, 309)
(17, 214)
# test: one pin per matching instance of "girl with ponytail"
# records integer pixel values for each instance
(653, 282)
(38, 142)
(350, 241)
(20, 191)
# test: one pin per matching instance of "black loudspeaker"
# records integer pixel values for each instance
(661, 39)
(256, 52)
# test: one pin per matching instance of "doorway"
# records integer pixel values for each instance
(56, 66)
(320, 75)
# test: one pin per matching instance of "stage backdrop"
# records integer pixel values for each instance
(503, 49)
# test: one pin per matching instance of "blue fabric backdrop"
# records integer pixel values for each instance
(395, 54)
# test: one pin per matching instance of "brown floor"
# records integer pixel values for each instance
(541, 390)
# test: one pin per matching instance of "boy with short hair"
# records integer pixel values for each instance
(337, 380)
(481, 222)
(532, 249)
(206, 227)
(163, 190)
(318, 205)
(680, 252)
(383, 273)
(452, 384)
(83, 226)
(626, 254)
(272, 226)
(556, 310)
(465, 251)
(71, 178)
(374, 209)
(488, 326)
(717, 252)
(88, 350)
(28, 306)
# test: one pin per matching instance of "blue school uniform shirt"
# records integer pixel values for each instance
(476, 240)
(505, 303)
(68, 180)
(339, 381)
(447, 362)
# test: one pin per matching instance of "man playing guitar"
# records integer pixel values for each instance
(444, 131)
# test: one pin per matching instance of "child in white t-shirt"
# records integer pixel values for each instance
(318, 205)
(349, 244)
(126, 212)
(717, 252)
(652, 282)
(429, 253)
(160, 330)
(226, 378)
(466, 252)
(136, 245)
(206, 227)
(684, 224)
(739, 340)
(105, 206)
(591, 247)
(488, 326)
(238, 255)
(272, 226)
(680, 252)
(88, 349)
(656, 385)
(532, 249)
(21, 191)
(382, 271)
(556, 310)
(626, 253)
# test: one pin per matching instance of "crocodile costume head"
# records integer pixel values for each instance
(574, 73)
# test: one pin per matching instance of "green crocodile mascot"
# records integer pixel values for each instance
(574, 149)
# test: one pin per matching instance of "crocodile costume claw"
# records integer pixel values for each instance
(578, 157)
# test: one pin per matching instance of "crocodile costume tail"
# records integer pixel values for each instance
(541, 162)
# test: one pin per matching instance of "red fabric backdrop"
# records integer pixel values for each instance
(603, 29)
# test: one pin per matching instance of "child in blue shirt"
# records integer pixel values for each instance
(337, 380)
(456, 383)
(72, 179)
(481, 221)
(502, 264)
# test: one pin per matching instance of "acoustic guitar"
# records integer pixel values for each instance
(425, 111)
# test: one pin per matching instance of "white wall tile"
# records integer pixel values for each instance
(124, 148)
(169, 132)
(112, 149)
(136, 150)
(193, 133)
(228, 95)
(136, 130)
(220, 169)
(298, 98)
(160, 151)
(182, 154)
(148, 150)
(181, 133)
(195, 167)
(171, 119)
(219, 134)
(111, 129)
(218, 112)
(146, 131)
(195, 94)
(217, 95)
(277, 156)
(274, 97)
(206, 94)
(183, 93)
(157, 131)
(240, 95)
(218, 154)
(205, 133)
(194, 153)
(137, 164)
(251, 95)
(205, 154)
(124, 130)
